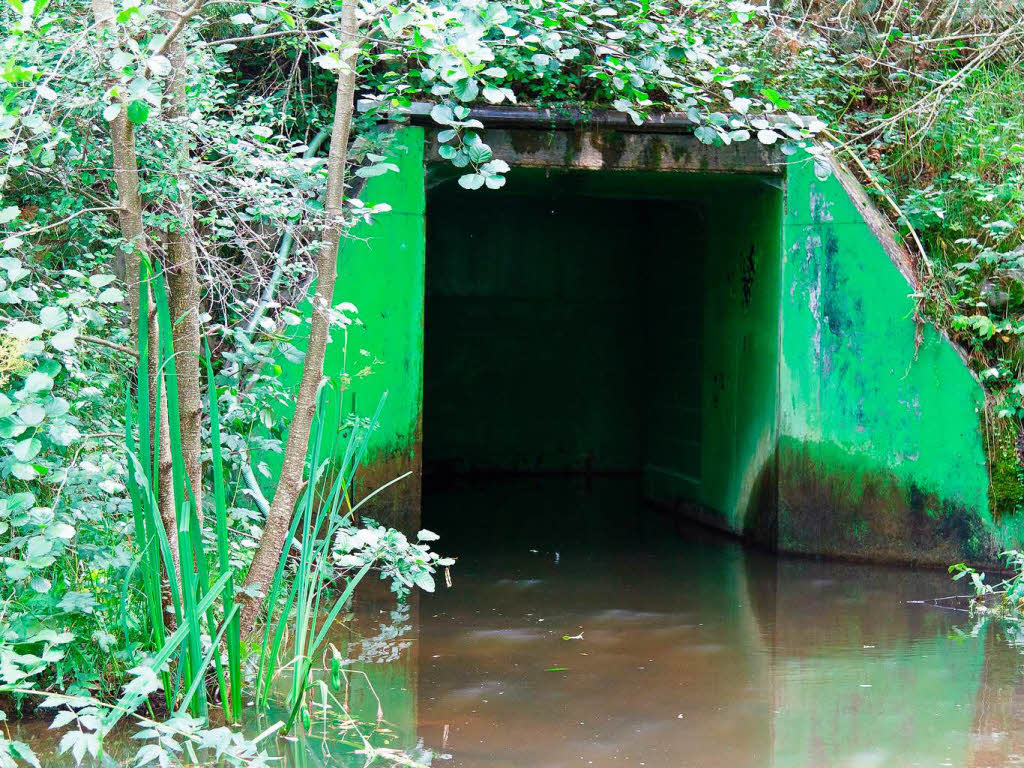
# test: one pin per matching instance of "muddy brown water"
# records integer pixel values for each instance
(684, 649)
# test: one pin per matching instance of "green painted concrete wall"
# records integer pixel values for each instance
(380, 271)
(730, 482)
(880, 454)
(750, 349)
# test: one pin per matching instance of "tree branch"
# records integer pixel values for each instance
(112, 344)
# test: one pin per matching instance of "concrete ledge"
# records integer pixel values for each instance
(611, 150)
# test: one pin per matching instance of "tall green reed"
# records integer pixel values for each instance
(187, 587)
(323, 509)
(181, 604)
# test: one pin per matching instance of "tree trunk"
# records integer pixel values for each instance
(289, 484)
(126, 176)
(165, 483)
(183, 276)
(135, 248)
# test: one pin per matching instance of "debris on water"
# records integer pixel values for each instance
(573, 637)
(557, 669)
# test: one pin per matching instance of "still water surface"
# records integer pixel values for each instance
(694, 650)
(685, 649)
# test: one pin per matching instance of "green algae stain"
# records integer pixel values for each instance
(883, 454)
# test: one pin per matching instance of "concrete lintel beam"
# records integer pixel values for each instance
(589, 148)
(558, 118)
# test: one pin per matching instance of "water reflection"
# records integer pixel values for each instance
(683, 649)
(694, 652)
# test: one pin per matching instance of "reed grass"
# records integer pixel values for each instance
(198, 597)
(315, 523)
(192, 586)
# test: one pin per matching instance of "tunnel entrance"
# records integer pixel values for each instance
(607, 322)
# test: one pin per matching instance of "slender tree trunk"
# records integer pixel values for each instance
(162, 439)
(289, 484)
(182, 274)
(126, 177)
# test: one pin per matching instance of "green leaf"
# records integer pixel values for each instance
(53, 317)
(64, 434)
(38, 382)
(138, 111)
(159, 66)
(494, 95)
(479, 153)
(23, 330)
(18, 502)
(17, 571)
(424, 581)
(24, 751)
(15, 273)
(121, 60)
(741, 105)
(379, 169)
(64, 341)
(495, 166)
(38, 546)
(110, 296)
(705, 134)
(111, 112)
(101, 280)
(27, 449)
(773, 96)
(77, 602)
(466, 90)
(471, 181)
(60, 531)
(32, 414)
(442, 114)
(24, 471)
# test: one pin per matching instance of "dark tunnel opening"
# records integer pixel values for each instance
(590, 329)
